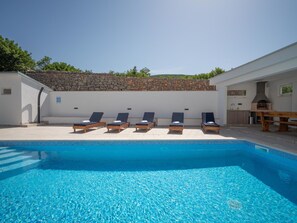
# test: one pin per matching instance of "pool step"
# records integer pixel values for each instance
(2, 151)
(10, 154)
(22, 165)
(14, 162)
(5, 147)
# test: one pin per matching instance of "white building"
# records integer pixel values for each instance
(278, 69)
(231, 103)
(19, 95)
(19, 99)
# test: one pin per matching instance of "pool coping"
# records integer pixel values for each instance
(64, 133)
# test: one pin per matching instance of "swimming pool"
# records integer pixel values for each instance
(146, 181)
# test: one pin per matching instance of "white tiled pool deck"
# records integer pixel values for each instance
(282, 141)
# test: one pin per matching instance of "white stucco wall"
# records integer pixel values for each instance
(30, 90)
(234, 101)
(21, 106)
(283, 102)
(222, 103)
(163, 103)
(10, 105)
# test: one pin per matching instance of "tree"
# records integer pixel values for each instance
(145, 72)
(213, 73)
(13, 57)
(61, 66)
(45, 64)
(42, 63)
(216, 72)
(132, 72)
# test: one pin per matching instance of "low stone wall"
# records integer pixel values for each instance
(66, 81)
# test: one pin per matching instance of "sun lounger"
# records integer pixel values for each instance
(209, 123)
(93, 122)
(147, 121)
(120, 123)
(177, 122)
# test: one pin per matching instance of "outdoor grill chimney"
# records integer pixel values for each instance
(261, 102)
(260, 96)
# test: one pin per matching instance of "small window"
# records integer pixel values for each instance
(6, 91)
(236, 92)
(286, 89)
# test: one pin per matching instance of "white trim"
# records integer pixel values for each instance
(24, 76)
(278, 57)
(34, 81)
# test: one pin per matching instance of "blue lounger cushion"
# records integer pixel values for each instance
(95, 118)
(147, 119)
(177, 124)
(208, 119)
(208, 122)
(121, 119)
(177, 119)
(84, 123)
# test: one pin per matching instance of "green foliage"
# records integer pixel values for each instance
(13, 57)
(211, 74)
(132, 72)
(144, 72)
(45, 64)
(42, 63)
(173, 76)
(287, 89)
(202, 76)
(61, 66)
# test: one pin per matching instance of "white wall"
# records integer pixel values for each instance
(30, 90)
(222, 103)
(21, 106)
(163, 103)
(283, 102)
(246, 101)
(10, 105)
(279, 102)
(232, 101)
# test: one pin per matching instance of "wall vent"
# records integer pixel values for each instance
(6, 91)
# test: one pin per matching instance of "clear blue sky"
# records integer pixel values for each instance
(167, 36)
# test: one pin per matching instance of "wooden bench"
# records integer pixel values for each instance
(283, 120)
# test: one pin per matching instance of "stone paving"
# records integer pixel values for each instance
(282, 141)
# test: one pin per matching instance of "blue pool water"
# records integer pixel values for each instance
(146, 181)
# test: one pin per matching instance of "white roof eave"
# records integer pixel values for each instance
(281, 60)
(34, 81)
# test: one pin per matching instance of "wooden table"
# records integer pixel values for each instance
(283, 120)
